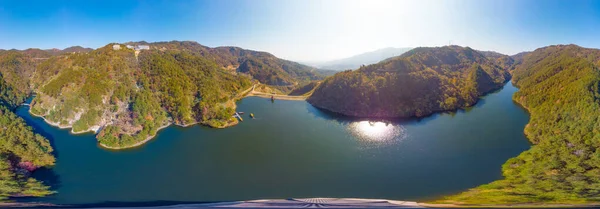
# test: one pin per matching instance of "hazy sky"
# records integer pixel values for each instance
(303, 30)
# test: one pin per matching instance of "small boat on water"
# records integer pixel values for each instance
(241, 113)
(251, 115)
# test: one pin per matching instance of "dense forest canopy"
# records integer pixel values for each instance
(21, 150)
(417, 83)
(262, 66)
(560, 86)
(16, 69)
(128, 95)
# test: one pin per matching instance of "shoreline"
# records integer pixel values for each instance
(518, 103)
(95, 131)
(246, 93)
(57, 125)
(484, 94)
(528, 111)
(250, 92)
(138, 143)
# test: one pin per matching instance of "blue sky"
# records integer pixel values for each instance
(304, 30)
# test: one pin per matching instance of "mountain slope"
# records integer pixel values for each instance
(262, 66)
(417, 83)
(501, 60)
(16, 69)
(518, 59)
(21, 150)
(367, 58)
(560, 86)
(127, 96)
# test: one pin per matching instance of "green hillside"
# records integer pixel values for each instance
(21, 150)
(419, 82)
(560, 86)
(127, 96)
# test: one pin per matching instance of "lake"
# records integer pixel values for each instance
(292, 150)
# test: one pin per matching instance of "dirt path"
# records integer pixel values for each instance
(241, 94)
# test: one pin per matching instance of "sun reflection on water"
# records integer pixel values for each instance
(377, 132)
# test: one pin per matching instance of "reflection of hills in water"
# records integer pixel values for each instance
(343, 119)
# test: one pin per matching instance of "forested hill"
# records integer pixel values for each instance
(560, 86)
(124, 94)
(417, 83)
(262, 66)
(16, 69)
(518, 59)
(501, 60)
(127, 95)
(21, 150)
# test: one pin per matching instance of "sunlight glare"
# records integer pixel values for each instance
(370, 131)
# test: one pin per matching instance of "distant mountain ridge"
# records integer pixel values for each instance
(366, 58)
(45, 53)
(263, 66)
(76, 49)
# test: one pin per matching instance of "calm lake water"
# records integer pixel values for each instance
(292, 150)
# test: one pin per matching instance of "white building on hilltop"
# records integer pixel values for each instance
(142, 47)
(116, 47)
